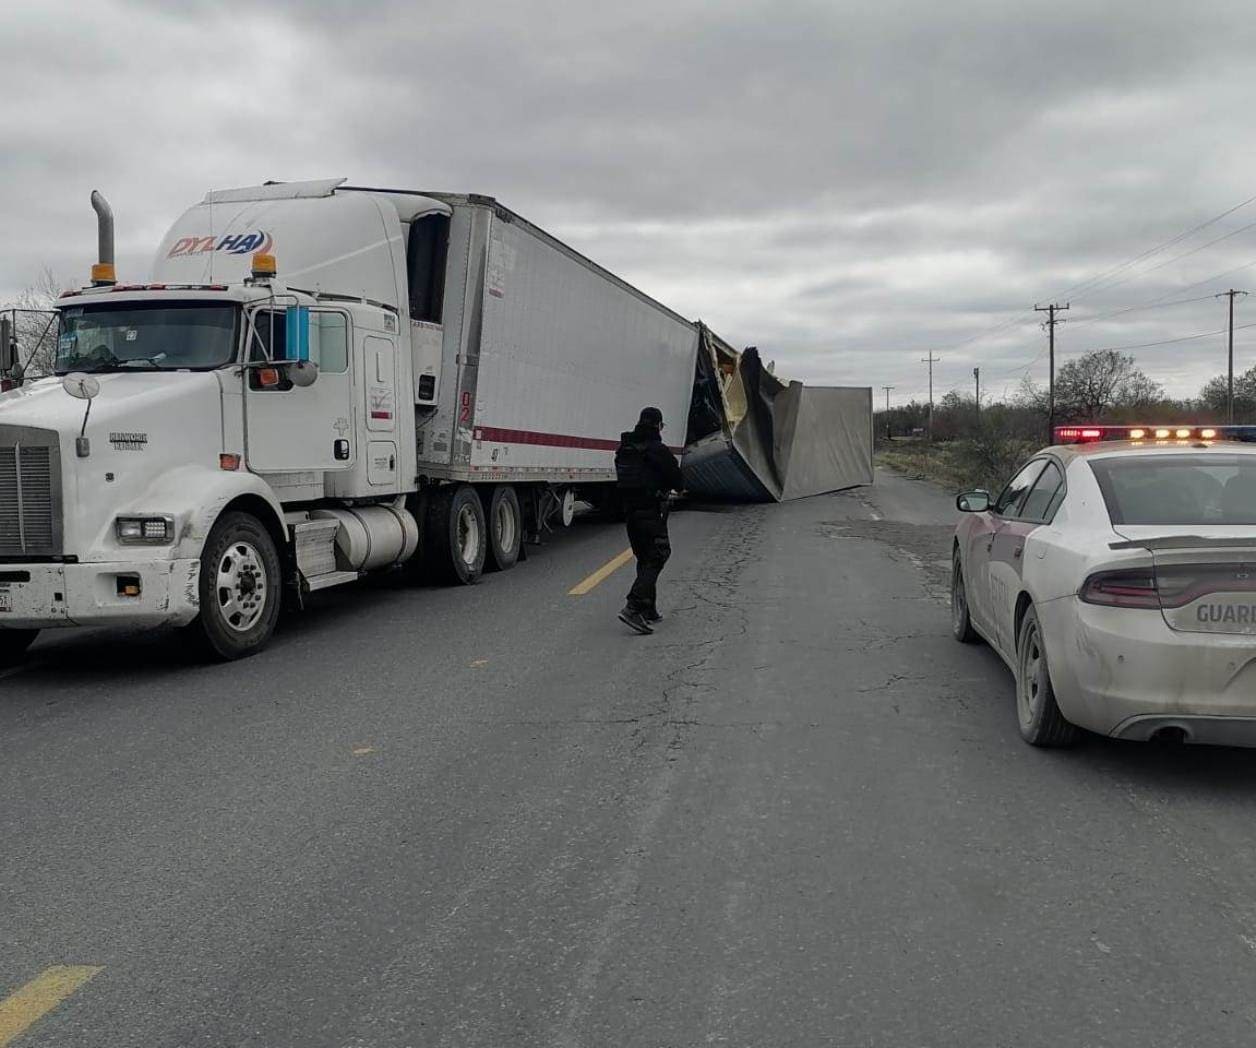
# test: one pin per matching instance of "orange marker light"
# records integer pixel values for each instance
(1183, 433)
(1161, 434)
(1208, 434)
(264, 265)
(229, 462)
(1137, 434)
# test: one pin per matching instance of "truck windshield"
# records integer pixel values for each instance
(132, 336)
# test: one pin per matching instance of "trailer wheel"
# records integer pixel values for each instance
(240, 588)
(13, 645)
(456, 536)
(505, 528)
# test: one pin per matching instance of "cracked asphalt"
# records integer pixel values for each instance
(799, 814)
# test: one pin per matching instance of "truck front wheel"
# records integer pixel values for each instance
(240, 588)
(13, 645)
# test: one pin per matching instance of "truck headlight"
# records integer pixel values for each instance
(144, 531)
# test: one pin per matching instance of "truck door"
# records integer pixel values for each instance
(293, 428)
(379, 363)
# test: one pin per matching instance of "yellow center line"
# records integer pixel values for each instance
(26, 1006)
(601, 575)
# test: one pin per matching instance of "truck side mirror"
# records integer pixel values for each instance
(302, 372)
(8, 348)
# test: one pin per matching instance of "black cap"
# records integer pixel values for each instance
(651, 417)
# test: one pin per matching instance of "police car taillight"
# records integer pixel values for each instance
(1122, 589)
(1152, 434)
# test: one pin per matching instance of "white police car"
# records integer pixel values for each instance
(1116, 576)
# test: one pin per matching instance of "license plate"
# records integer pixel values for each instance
(6, 600)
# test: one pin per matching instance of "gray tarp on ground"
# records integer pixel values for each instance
(777, 441)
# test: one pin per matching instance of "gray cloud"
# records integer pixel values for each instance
(846, 185)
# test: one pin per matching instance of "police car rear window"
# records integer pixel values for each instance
(1178, 489)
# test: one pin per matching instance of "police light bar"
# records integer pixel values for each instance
(1152, 434)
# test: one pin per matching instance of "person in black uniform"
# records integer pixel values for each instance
(646, 471)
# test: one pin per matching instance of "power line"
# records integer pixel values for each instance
(1139, 309)
(1170, 261)
(1153, 303)
(1020, 318)
(1022, 367)
(1174, 341)
(1088, 286)
(1137, 345)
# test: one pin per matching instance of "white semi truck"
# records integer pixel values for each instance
(318, 381)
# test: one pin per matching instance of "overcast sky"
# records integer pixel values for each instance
(847, 185)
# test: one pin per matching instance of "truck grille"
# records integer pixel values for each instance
(30, 500)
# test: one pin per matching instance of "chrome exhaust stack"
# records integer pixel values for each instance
(103, 272)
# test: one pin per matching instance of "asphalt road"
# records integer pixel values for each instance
(800, 814)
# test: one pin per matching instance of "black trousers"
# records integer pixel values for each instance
(647, 534)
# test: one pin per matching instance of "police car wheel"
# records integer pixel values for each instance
(1039, 718)
(505, 529)
(13, 645)
(961, 623)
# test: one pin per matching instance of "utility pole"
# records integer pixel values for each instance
(1230, 355)
(887, 410)
(930, 360)
(1051, 310)
(977, 376)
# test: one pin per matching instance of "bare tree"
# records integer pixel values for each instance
(34, 323)
(1088, 388)
(1215, 395)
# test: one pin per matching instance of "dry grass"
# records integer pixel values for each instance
(984, 462)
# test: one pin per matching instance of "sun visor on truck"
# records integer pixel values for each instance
(322, 187)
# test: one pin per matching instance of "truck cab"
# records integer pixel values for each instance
(214, 409)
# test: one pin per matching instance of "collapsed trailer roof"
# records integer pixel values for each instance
(757, 438)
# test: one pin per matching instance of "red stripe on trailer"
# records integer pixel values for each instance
(381, 414)
(496, 435)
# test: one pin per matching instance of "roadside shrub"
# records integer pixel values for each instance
(989, 460)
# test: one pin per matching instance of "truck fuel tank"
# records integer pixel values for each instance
(371, 537)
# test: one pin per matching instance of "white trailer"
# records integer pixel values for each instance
(543, 359)
(317, 381)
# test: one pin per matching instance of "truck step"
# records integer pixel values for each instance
(329, 579)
